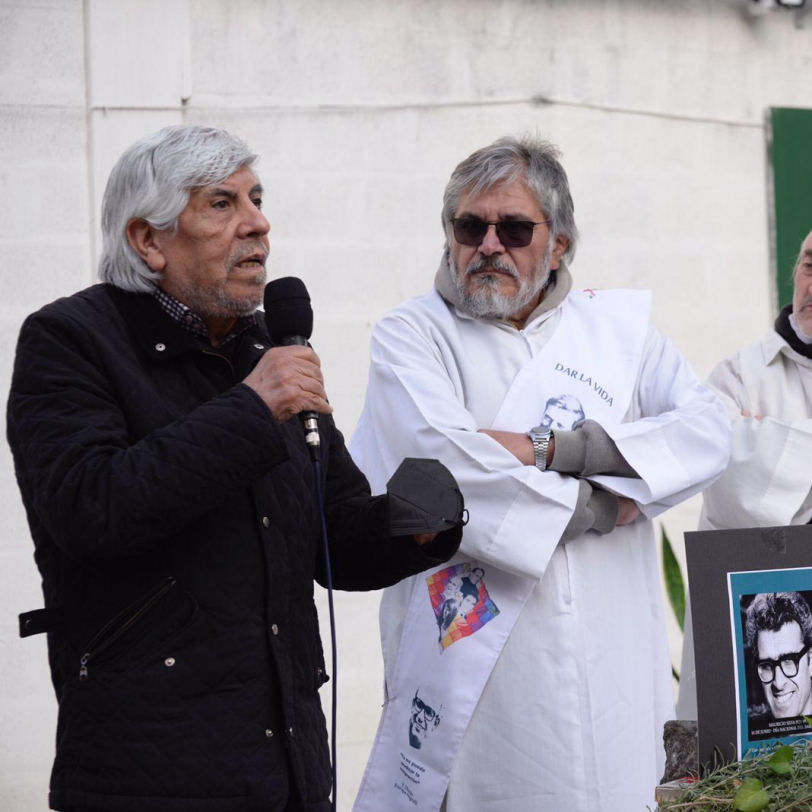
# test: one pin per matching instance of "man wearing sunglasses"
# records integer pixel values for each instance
(556, 697)
(779, 635)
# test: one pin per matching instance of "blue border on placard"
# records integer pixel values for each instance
(753, 583)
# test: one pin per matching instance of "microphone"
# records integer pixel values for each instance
(289, 317)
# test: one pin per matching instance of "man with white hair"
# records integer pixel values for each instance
(555, 696)
(766, 389)
(174, 509)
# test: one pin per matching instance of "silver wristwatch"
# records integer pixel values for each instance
(541, 440)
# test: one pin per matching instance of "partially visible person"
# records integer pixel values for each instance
(448, 614)
(468, 599)
(766, 389)
(477, 574)
(779, 634)
(453, 587)
(173, 507)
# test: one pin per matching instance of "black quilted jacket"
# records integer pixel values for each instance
(176, 532)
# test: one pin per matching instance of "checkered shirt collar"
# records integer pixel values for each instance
(190, 321)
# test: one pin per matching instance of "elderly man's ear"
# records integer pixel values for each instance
(142, 238)
(559, 249)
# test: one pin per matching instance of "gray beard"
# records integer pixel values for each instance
(223, 306)
(796, 325)
(211, 299)
(215, 302)
(486, 301)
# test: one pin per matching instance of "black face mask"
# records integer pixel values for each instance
(424, 498)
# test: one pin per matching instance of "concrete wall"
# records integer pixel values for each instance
(360, 110)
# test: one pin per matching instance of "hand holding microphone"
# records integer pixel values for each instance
(289, 380)
(288, 377)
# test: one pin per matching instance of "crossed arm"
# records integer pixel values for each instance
(674, 441)
(521, 446)
(769, 479)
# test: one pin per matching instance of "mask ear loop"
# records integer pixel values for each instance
(464, 515)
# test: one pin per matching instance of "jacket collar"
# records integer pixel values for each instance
(787, 332)
(773, 345)
(158, 335)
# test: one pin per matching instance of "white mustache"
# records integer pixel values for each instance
(491, 263)
(239, 256)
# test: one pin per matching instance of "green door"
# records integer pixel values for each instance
(791, 160)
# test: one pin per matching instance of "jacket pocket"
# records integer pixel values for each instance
(137, 630)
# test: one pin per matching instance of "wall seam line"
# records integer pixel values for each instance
(89, 140)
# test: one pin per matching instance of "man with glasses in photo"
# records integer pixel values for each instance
(557, 698)
(779, 635)
(423, 720)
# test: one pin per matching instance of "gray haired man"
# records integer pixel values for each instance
(174, 508)
(766, 389)
(556, 689)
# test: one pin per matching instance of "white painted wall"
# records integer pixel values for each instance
(360, 110)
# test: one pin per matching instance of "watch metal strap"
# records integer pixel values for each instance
(541, 441)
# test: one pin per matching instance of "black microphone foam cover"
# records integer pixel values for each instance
(287, 309)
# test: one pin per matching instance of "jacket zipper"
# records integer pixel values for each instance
(222, 358)
(138, 609)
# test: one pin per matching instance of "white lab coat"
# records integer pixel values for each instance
(768, 482)
(571, 717)
(769, 479)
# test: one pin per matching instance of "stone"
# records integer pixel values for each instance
(681, 750)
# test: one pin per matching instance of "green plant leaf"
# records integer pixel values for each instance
(674, 583)
(751, 797)
(808, 720)
(781, 760)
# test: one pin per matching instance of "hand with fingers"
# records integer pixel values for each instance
(289, 380)
(627, 511)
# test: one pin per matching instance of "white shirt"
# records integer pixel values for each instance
(768, 482)
(769, 479)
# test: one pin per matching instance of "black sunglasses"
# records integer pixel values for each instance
(512, 233)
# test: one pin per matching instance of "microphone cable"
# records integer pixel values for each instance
(329, 578)
(289, 317)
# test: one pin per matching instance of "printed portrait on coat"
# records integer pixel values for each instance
(424, 718)
(460, 600)
(563, 412)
